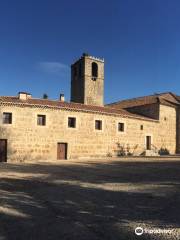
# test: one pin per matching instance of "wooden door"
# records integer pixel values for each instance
(61, 151)
(148, 142)
(3, 150)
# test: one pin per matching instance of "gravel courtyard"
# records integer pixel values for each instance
(90, 199)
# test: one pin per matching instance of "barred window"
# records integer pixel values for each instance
(80, 70)
(71, 122)
(98, 124)
(7, 118)
(75, 71)
(121, 127)
(41, 120)
(94, 71)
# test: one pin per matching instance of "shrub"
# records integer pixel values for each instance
(163, 151)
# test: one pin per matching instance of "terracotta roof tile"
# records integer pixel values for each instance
(71, 106)
(163, 98)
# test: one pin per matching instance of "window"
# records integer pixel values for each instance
(75, 71)
(7, 118)
(141, 127)
(94, 71)
(98, 124)
(80, 70)
(71, 122)
(121, 127)
(41, 120)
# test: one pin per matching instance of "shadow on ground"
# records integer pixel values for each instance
(90, 200)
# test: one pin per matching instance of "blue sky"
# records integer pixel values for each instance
(139, 39)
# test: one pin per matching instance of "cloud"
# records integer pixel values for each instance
(54, 67)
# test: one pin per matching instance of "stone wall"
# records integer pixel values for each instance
(178, 130)
(77, 82)
(166, 135)
(83, 88)
(27, 141)
(94, 90)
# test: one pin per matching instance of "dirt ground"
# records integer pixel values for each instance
(90, 199)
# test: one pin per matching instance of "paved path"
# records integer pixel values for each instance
(77, 200)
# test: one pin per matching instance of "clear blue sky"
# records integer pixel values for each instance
(139, 39)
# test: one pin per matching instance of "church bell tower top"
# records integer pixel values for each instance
(87, 80)
(86, 55)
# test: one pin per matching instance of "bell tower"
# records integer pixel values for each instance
(87, 81)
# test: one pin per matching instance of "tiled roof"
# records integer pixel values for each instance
(135, 102)
(177, 97)
(45, 103)
(163, 98)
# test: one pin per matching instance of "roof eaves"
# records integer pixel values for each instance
(80, 109)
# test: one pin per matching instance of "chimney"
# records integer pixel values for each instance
(62, 98)
(24, 95)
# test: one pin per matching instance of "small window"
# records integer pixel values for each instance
(80, 73)
(7, 118)
(98, 124)
(41, 120)
(94, 71)
(75, 71)
(165, 118)
(121, 127)
(141, 127)
(71, 122)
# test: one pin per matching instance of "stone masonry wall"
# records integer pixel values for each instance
(166, 135)
(94, 90)
(77, 82)
(83, 88)
(178, 130)
(27, 141)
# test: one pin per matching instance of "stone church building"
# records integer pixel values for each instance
(43, 129)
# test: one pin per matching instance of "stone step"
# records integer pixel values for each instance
(151, 153)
